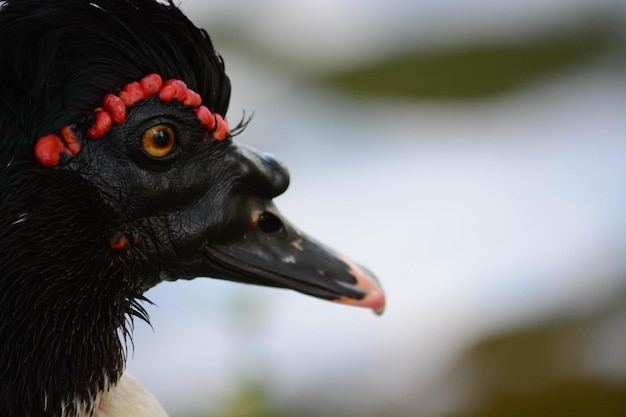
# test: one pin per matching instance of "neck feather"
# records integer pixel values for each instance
(66, 299)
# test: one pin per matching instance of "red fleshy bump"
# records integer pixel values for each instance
(173, 89)
(151, 84)
(116, 107)
(132, 93)
(167, 92)
(118, 244)
(48, 149)
(103, 123)
(206, 117)
(70, 139)
(192, 99)
(221, 130)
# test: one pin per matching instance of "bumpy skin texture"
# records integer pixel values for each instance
(82, 239)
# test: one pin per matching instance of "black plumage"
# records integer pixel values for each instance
(89, 221)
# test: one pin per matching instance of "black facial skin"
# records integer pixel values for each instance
(171, 203)
(201, 209)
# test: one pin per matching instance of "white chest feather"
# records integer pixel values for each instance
(129, 398)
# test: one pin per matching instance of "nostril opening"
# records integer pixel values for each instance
(269, 223)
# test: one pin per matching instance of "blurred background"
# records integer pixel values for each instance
(472, 154)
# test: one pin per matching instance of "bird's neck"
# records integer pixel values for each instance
(65, 299)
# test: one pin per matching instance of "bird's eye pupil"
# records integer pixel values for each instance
(161, 138)
(158, 141)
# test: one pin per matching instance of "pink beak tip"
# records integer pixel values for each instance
(365, 280)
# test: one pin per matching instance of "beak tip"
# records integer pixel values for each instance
(375, 300)
(366, 281)
(381, 307)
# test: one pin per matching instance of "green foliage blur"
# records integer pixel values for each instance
(251, 400)
(547, 369)
(477, 71)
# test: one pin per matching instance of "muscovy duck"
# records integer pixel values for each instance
(118, 171)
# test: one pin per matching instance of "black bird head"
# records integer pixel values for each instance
(118, 171)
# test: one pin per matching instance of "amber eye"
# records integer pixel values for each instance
(158, 141)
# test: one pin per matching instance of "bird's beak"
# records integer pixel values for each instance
(273, 252)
